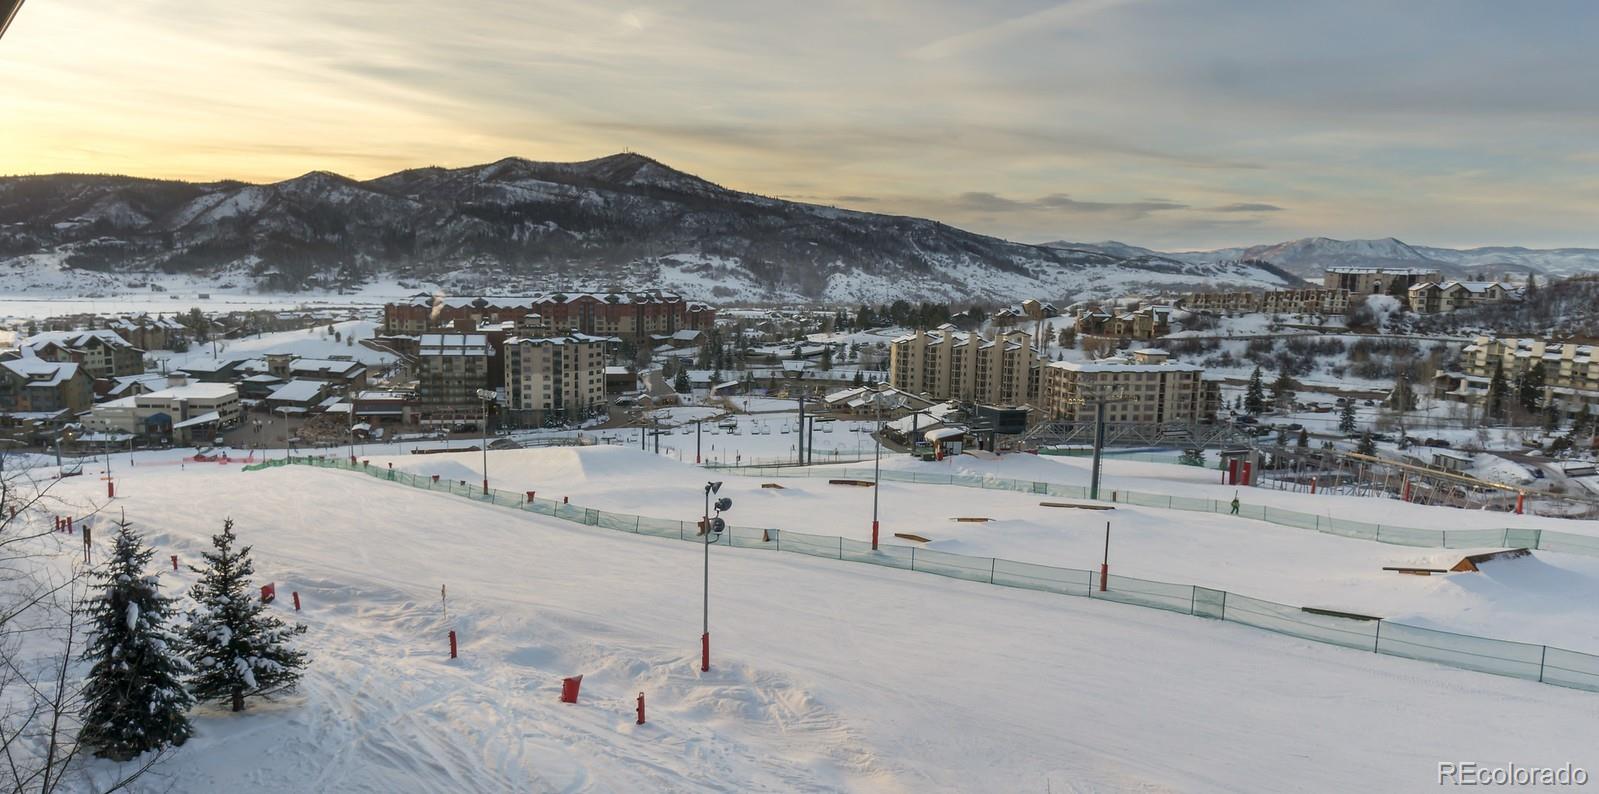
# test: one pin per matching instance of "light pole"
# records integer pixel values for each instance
(698, 425)
(711, 529)
(487, 397)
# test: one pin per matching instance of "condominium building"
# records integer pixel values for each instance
(1282, 301)
(102, 353)
(451, 368)
(1141, 387)
(634, 315)
(1148, 322)
(1431, 297)
(30, 385)
(554, 377)
(948, 364)
(1377, 280)
(1570, 371)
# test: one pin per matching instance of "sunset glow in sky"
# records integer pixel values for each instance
(1157, 122)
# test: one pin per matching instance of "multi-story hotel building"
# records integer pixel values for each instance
(948, 364)
(554, 377)
(1142, 387)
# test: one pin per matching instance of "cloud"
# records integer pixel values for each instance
(1054, 18)
(1060, 202)
(1246, 207)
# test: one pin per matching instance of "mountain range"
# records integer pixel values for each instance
(1308, 256)
(618, 222)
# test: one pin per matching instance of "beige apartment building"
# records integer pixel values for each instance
(1571, 371)
(1141, 387)
(949, 364)
(554, 377)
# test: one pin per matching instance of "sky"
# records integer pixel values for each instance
(1167, 123)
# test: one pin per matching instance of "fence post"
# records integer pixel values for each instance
(913, 558)
(1376, 640)
(1224, 605)
(1543, 654)
(992, 563)
(1193, 598)
(841, 547)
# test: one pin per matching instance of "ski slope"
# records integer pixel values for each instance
(826, 676)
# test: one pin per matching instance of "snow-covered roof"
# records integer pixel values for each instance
(193, 391)
(455, 345)
(298, 391)
(528, 301)
(210, 417)
(325, 365)
(1386, 271)
(944, 433)
(383, 395)
(1119, 364)
(573, 338)
(76, 339)
(39, 372)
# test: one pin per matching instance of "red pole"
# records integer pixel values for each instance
(452, 643)
(69, 525)
(1521, 498)
(705, 652)
(874, 534)
(296, 600)
(641, 708)
(1104, 567)
(485, 486)
(174, 562)
(110, 489)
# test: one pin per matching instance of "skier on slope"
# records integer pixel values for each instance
(1235, 503)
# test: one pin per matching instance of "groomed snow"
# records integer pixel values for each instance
(826, 676)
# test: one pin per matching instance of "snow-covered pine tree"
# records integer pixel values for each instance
(237, 647)
(134, 698)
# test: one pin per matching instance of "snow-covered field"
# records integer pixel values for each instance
(1551, 599)
(826, 676)
(317, 342)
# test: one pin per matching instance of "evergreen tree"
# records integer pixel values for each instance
(1529, 388)
(1346, 417)
(1496, 394)
(1367, 445)
(238, 649)
(1255, 396)
(1582, 424)
(1304, 439)
(1403, 396)
(1531, 290)
(1282, 389)
(134, 697)
(681, 384)
(826, 363)
(1551, 416)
